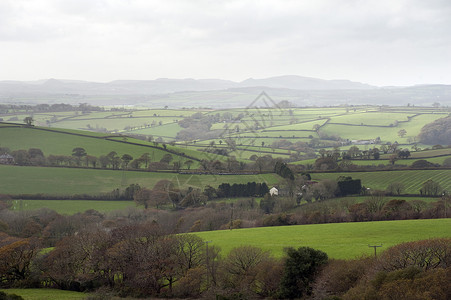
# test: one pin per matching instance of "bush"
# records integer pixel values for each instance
(425, 254)
(413, 283)
(422, 163)
(338, 276)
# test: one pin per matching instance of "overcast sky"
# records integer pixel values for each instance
(380, 42)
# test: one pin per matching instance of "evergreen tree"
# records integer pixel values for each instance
(301, 266)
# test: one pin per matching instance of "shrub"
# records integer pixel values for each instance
(425, 254)
(341, 275)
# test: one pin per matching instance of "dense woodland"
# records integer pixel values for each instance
(437, 132)
(132, 254)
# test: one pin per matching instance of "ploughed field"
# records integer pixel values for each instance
(379, 180)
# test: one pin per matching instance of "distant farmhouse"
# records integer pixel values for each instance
(6, 159)
(362, 142)
(274, 191)
(366, 142)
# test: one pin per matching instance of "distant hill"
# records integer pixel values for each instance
(304, 83)
(167, 85)
(201, 92)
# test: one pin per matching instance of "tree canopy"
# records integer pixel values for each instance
(437, 132)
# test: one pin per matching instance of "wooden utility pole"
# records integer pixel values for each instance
(231, 217)
(207, 263)
(376, 246)
(445, 197)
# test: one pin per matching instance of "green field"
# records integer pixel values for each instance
(357, 199)
(372, 118)
(46, 294)
(379, 180)
(387, 134)
(166, 131)
(405, 162)
(430, 153)
(70, 207)
(62, 141)
(341, 241)
(69, 181)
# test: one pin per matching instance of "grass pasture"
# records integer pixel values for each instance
(340, 240)
(166, 131)
(70, 207)
(71, 181)
(61, 142)
(353, 132)
(117, 124)
(379, 180)
(359, 199)
(350, 131)
(371, 118)
(436, 160)
(426, 153)
(46, 294)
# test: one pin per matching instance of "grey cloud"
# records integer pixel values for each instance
(246, 35)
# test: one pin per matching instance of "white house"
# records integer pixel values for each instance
(274, 192)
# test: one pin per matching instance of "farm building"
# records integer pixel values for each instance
(6, 159)
(274, 192)
(362, 142)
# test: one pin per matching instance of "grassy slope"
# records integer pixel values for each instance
(358, 199)
(342, 240)
(70, 207)
(116, 124)
(45, 294)
(407, 162)
(60, 143)
(65, 181)
(166, 131)
(371, 118)
(385, 133)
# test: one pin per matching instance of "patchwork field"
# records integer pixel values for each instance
(352, 123)
(341, 241)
